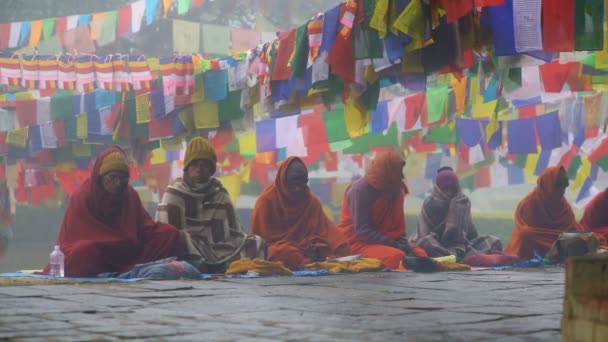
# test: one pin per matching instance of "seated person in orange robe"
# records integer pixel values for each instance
(595, 218)
(292, 222)
(373, 217)
(542, 215)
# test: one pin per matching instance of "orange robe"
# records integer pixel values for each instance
(540, 218)
(297, 230)
(373, 217)
(595, 218)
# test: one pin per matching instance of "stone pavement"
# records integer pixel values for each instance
(458, 306)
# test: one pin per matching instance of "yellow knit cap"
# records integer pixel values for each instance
(199, 148)
(115, 161)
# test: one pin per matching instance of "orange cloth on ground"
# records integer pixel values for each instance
(293, 226)
(540, 218)
(388, 215)
(595, 218)
(259, 266)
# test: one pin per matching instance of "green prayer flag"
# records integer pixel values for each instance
(335, 126)
(48, 27)
(436, 99)
(183, 6)
(233, 146)
(230, 108)
(441, 135)
(137, 131)
(300, 55)
(340, 145)
(369, 6)
(108, 32)
(70, 125)
(588, 25)
(366, 43)
(468, 182)
(61, 105)
(360, 145)
(521, 161)
(63, 154)
(408, 134)
(589, 60)
(391, 138)
(575, 165)
(603, 163)
(152, 145)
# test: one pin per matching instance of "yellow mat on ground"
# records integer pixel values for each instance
(353, 266)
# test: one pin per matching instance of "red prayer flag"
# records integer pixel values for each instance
(489, 3)
(558, 25)
(456, 9)
(61, 25)
(527, 112)
(26, 112)
(482, 178)
(415, 106)
(554, 75)
(287, 43)
(5, 33)
(124, 20)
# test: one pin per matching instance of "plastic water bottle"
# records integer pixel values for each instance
(56, 263)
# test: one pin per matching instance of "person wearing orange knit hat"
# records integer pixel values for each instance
(199, 205)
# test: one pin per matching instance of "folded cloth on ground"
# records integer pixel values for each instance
(168, 268)
(452, 266)
(448, 259)
(259, 266)
(491, 260)
(354, 266)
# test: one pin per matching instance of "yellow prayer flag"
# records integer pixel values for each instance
(172, 144)
(337, 193)
(474, 91)
(17, 137)
(97, 21)
(142, 109)
(356, 117)
(159, 156)
(379, 18)
(11, 175)
(187, 119)
(206, 114)
(530, 166)
(81, 150)
(247, 144)
(35, 32)
(415, 165)
(153, 64)
(484, 110)
(245, 172)
(460, 92)
(492, 128)
(82, 123)
(24, 95)
(411, 62)
(232, 184)
(411, 22)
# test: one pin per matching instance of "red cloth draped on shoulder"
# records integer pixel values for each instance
(595, 218)
(540, 218)
(292, 226)
(103, 233)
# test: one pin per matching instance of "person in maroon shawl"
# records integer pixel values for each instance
(595, 218)
(105, 227)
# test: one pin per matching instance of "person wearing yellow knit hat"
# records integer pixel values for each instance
(106, 229)
(200, 206)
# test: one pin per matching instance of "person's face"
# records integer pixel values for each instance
(451, 190)
(115, 182)
(297, 178)
(562, 182)
(200, 170)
